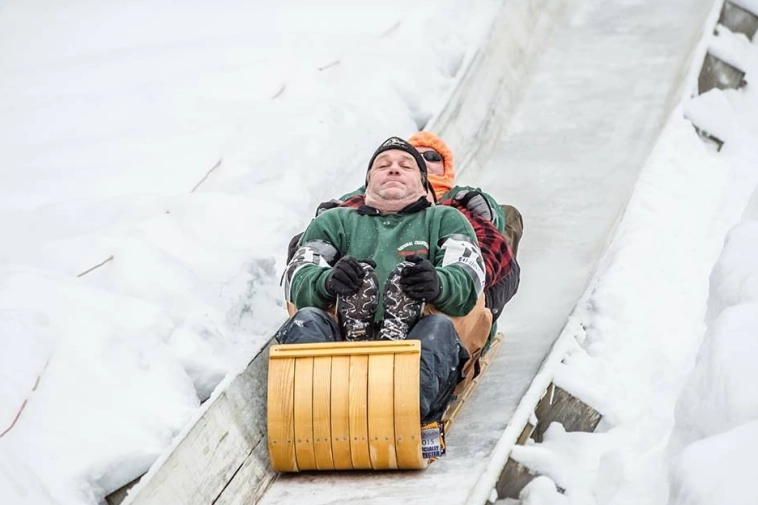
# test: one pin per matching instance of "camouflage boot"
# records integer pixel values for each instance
(401, 312)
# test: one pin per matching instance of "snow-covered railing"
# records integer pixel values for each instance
(722, 67)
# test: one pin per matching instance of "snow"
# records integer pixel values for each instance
(542, 491)
(669, 346)
(179, 146)
(157, 157)
(717, 469)
(748, 5)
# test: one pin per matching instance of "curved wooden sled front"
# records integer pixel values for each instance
(345, 405)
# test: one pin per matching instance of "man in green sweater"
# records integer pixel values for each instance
(380, 263)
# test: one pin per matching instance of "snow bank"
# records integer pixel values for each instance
(718, 469)
(715, 436)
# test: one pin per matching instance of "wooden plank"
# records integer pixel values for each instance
(408, 412)
(344, 349)
(556, 405)
(526, 434)
(358, 404)
(381, 412)
(306, 457)
(281, 430)
(340, 413)
(119, 495)
(251, 481)
(716, 73)
(738, 19)
(515, 476)
(560, 406)
(513, 479)
(322, 407)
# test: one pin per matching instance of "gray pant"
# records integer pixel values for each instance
(442, 355)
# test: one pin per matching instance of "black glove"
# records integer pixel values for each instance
(475, 202)
(324, 206)
(420, 280)
(346, 276)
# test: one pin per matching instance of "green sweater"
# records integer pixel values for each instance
(441, 234)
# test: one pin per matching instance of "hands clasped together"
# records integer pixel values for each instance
(419, 278)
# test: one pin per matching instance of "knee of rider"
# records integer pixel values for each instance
(309, 324)
(437, 328)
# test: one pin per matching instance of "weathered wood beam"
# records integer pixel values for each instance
(119, 495)
(738, 19)
(559, 406)
(716, 73)
(556, 405)
(709, 139)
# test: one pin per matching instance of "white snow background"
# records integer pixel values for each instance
(184, 143)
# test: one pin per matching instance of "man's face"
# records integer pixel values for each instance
(434, 164)
(395, 175)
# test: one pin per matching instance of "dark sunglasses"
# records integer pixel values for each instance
(432, 156)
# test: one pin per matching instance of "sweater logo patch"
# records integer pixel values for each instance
(420, 247)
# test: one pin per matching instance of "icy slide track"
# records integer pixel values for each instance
(555, 114)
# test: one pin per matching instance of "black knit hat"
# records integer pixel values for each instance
(401, 145)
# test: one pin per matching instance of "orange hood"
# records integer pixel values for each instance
(441, 183)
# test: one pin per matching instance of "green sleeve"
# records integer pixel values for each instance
(459, 265)
(307, 273)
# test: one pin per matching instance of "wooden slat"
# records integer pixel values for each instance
(738, 19)
(358, 400)
(340, 413)
(560, 406)
(343, 349)
(306, 457)
(556, 405)
(322, 432)
(408, 412)
(513, 479)
(281, 430)
(716, 73)
(119, 495)
(250, 482)
(381, 412)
